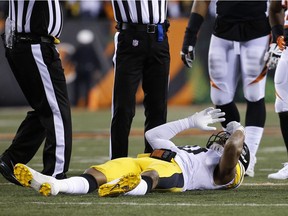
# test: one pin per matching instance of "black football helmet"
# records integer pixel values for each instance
(221, 139)
(245, 156)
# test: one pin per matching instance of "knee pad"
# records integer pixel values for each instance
(281, 83)
(217, 63)
(255, 91)
(219, 97)
(254, 76)
(281, 101)
(280, 105)
(220, 93)
(253, 62)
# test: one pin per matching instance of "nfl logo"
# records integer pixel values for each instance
(135, 43)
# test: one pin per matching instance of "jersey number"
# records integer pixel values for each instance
(193, 149)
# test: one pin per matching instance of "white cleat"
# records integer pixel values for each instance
(46, 185)
(250, 170)
(281, 174)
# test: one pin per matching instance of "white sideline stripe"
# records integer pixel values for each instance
(264, 184)
(164, 204)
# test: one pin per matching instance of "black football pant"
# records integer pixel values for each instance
(139, 56)
(39, 73)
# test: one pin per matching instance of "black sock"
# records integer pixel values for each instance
(256, 113)
(93, 185)
(149, 182)
(231, 113)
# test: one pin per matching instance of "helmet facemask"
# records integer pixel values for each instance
(219, 138)
(217, 142)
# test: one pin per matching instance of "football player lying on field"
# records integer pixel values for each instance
(219, 165)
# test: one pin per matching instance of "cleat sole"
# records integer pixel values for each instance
(23, 175)
(45, 189)
(125, 184)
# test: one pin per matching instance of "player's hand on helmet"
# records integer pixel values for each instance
(273, 54)
(232, 126)
(207, 116)
(187, 55)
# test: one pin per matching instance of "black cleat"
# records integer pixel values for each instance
(6, 169)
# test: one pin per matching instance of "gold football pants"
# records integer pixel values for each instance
(170, 174)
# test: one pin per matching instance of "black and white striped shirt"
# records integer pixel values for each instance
(43, 17)
(140, 11)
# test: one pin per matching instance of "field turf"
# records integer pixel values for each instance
(257, 196)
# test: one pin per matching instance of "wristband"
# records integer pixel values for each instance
(194, 24)
(277, 31)
(163, 154)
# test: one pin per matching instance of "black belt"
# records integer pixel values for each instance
(29, 38)
(148, 28)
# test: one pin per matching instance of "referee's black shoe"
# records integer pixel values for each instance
(6, 169)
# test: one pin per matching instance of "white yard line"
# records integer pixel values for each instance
(164, 204)
(264, 184)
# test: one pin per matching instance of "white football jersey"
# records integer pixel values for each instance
(198, 165)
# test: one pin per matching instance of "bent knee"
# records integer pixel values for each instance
(254, 93)
(153, 175)
(219, 97)
(281, 105)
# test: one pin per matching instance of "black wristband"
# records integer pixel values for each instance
(194, 24)
(277, 31)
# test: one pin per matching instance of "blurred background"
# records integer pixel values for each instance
(86, 51)
(87, 48)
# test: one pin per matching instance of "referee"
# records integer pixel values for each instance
(31, 31)
(141, 55)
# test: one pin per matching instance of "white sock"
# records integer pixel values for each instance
(141, 189)
(253, 137)
(73, 185)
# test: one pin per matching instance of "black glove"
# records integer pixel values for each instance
(188, 50)
(272, 56)
(187, 55)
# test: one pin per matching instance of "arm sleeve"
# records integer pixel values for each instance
(159, 137)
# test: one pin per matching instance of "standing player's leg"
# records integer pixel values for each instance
(281, 107)
(223, 67)
(254, 80)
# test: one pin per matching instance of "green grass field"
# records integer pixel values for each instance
(257, 196)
